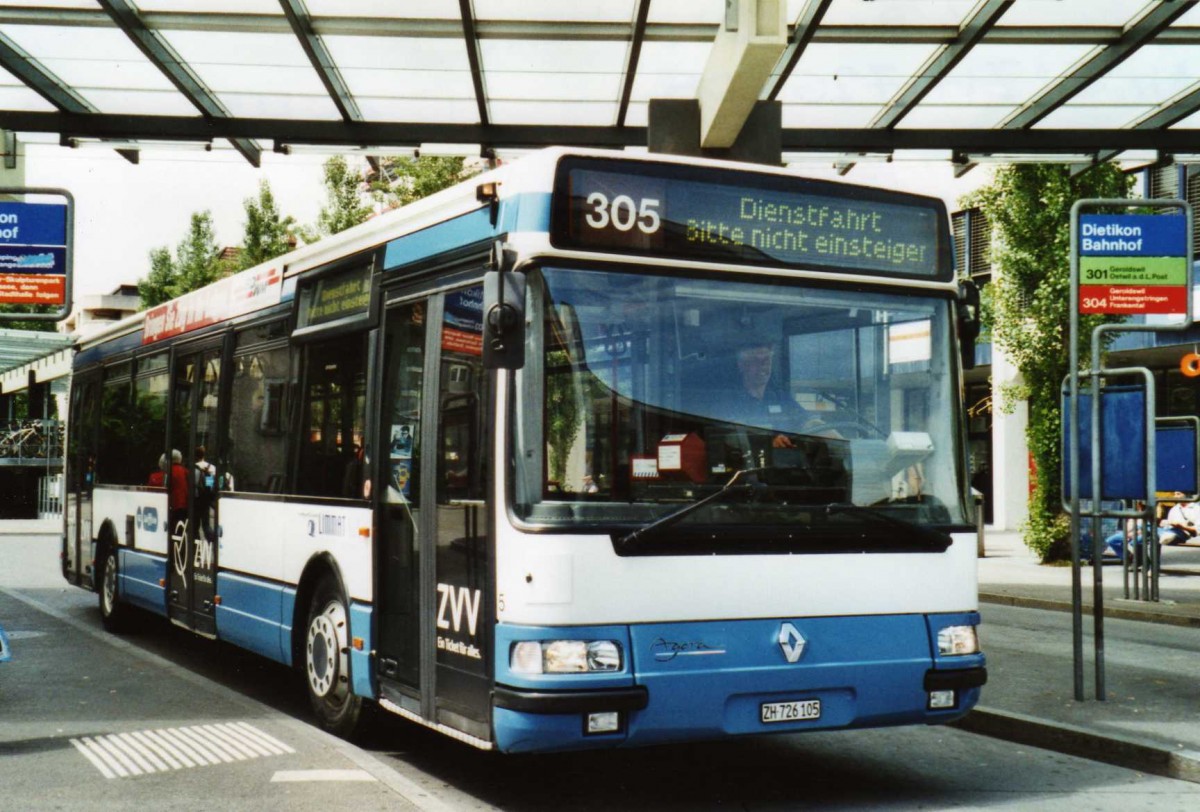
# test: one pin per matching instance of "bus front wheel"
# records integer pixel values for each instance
(112, 612)
(327, 660)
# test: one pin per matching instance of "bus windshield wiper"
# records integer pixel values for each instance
(733, 485)
(935, 538)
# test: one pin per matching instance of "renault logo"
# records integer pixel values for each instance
(792, 642)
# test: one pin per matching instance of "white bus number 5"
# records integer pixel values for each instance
(622, 213)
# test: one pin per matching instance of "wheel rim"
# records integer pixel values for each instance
(109, 586)
(327, 653)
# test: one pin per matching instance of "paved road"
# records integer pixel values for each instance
(158, 695)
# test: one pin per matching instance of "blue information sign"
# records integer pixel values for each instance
(1132, 235)
(33, 253)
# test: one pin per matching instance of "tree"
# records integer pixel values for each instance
(159, 285)
(268, 233)
(197, 262)
(403, 180)
(36, 326)
(1028, 207)
(344, 190)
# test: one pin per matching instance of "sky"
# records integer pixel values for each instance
(125, 210)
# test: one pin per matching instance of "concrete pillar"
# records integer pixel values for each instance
(1010, 452)
(674, 129)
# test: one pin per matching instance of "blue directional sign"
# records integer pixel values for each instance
(1132, 235)
(33, 253)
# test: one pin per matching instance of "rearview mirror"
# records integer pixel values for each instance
(503, 313)
(967, 309)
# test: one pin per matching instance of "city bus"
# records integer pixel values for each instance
(591, 450)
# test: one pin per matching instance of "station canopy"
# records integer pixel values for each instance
(961, 80)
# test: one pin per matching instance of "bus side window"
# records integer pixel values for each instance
(333, 418)
(258, 420)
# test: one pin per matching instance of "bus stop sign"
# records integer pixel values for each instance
(1132, 264)
(35, 255)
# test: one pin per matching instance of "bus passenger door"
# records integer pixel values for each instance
(433, 573)
(399, 552)
(192, 503)
(81, 475)
(463, 631)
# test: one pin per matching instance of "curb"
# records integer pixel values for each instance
(1110, 611)
(1109, 748)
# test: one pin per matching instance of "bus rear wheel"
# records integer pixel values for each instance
(113, 614)
(327, 661)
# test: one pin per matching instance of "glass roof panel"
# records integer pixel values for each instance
(1092, 116)
(638, 113)
(1153, 72)
(564, 86)
(88, 4)
(402, 67)
(452, 111)
(116, 75)
(687, 11)
(1189, 18)
(859, 73)
(257, 78)
(545, 10)
(828, 115)
(956, 116)
(411, 84)
(138, 102)
(18, 97)
(1072, 12)
(398, 53)
(97, 57)
(280, 105)
(553, 112)
(255, 75)
(897, 12)
(553, 56)
(204, 48)
(409, 9)
(673, 59)
(213, 6)
(972, 89)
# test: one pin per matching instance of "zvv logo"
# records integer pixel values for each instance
(456, 603)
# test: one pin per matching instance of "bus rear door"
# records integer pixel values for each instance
(192, 524)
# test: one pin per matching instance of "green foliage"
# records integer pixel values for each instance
(1028, 207)
(36, 326)
(345, 205)
(268, 233)
(403, 180)
(197, 262)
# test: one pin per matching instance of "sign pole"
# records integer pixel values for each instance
(1131, 265)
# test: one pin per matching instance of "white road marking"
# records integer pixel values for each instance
(120, 755)
(83, 748)
(443, 798)
(321, 775)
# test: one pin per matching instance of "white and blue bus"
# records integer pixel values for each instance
(592, 450)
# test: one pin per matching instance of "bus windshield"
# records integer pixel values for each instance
(643, 393)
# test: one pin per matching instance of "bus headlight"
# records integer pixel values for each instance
(565, 656)
(958, 640)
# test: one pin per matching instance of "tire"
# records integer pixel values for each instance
(114, 615)
(326, 661)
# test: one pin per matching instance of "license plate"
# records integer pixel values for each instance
(790, 711)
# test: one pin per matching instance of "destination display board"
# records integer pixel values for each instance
(716, 215)
(33, 253)
(336, 296)
(1132, 264)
